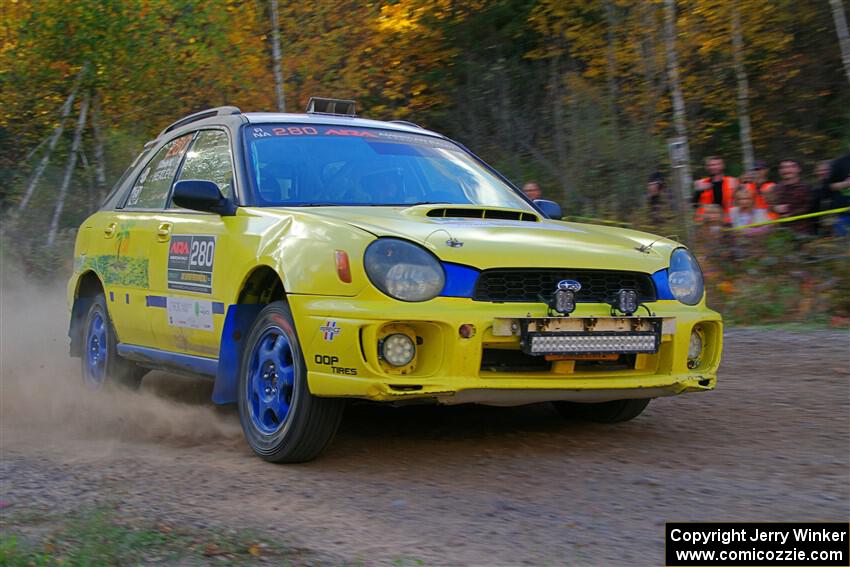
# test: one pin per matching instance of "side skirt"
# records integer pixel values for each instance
(170, 361)
(225, 369)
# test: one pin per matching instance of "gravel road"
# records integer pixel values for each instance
(447, 486)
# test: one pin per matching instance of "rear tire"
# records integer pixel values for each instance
(282, 421)
(101, 365)
(605, 412)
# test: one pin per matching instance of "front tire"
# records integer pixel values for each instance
(101, 365)
(282, 421)
(605, 412)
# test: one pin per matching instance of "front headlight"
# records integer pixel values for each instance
(685, 277)
(404, 270)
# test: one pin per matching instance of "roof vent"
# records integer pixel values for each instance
(493, 214)
(332, 106)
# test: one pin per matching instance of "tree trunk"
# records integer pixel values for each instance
(615, 196)
(99, 154)
(94, 197)
(843, 36)
(69, 171)
(743, 89)
(679, 116)
(278, 72)
(558, 137)
(611, 67)
(51, 145)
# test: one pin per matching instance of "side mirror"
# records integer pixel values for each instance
(550, 209)
(201, 195)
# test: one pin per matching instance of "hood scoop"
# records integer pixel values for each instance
(481, 213)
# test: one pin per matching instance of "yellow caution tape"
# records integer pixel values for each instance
(593, 220)
(791, 219)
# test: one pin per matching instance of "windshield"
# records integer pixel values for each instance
(300, 165)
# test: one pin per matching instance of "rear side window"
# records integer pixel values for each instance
(209, 159)
(154, 183)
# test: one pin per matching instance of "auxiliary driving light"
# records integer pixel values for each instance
(565, 301)
(695, 348)
(398, 349)
(620, 343)
(627, 301)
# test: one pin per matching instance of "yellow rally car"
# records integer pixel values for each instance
(302, 259)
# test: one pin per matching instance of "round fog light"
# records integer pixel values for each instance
(398, 349)
(695, 348)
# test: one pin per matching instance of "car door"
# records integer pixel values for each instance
(189, 258)
(123, 257)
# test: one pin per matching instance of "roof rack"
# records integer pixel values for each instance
(406, 123)
(209, 113)
(333, 106)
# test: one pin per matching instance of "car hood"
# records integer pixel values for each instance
(483, 243)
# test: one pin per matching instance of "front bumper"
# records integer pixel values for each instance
(340, 338)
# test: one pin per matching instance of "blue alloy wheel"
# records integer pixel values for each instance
(271, 380)
(282, 421)
(97, 351)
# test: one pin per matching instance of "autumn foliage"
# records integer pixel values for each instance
(574, 94)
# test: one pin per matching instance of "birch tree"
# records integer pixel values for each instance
(278, 72)
(69, 171)
(679, 116)
(743, 96)
(51, 145)
(99, 154)
(843, 36)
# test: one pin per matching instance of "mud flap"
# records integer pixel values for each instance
(75, 328)
(237, 323)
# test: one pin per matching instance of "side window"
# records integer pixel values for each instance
(154, 183)
(209, 159)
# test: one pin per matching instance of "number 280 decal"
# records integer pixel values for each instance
(190, 262)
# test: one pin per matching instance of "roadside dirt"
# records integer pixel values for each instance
(447, 486)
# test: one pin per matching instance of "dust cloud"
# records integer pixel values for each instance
(43, 399)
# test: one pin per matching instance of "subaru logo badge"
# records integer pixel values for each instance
(569, 285)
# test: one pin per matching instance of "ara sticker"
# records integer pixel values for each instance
(330, 330)
(190, 262)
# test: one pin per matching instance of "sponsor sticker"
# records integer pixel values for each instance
(330, 330)
(190, 313)
(333, 362)
(190, 262)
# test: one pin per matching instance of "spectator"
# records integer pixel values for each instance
(793, 197)
(823, 196)
(532, 190)
(745, 212)
(839, 185)
(761, 188)
(716, 189)
(713, 243)
(655, 197)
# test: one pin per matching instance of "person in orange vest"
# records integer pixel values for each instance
(762, 189)
(716, 189)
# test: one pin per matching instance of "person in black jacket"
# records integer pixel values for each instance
(839, 185)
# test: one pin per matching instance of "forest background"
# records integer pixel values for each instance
(581, 95)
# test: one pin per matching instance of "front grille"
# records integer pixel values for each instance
(528, 284)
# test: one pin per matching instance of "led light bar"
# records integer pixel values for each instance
(585, 343)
